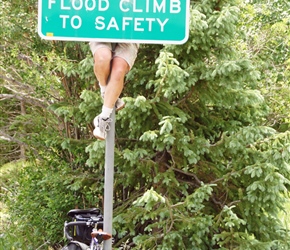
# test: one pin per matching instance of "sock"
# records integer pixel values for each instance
(103, 88)
(106, 112)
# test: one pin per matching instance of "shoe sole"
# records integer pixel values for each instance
(117, 109)
(100, 138)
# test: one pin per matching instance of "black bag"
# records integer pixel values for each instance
(75, 245)
(82, 233)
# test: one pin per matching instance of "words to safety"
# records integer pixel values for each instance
(144, 13)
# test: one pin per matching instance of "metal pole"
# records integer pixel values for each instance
(109, 182)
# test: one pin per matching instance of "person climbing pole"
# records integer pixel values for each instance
(112, 61)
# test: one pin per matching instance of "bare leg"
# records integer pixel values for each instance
(110, 73)
(115, 85)
(102, 65)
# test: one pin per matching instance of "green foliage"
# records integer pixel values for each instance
(166, 225)
(37, 206)
(202, 146)
(267, 35)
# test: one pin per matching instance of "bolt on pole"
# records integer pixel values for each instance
(109, 182)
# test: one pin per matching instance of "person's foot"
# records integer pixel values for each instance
(119, 103)
(102, 126)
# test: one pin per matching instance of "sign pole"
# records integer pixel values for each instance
(109, 182)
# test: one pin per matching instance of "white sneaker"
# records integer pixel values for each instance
(102, 126)
(119, 103)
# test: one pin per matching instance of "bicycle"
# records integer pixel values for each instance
(85, 231)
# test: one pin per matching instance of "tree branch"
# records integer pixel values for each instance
(9, 138)
(22, 96)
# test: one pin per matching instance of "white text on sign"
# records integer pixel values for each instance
(138, 24)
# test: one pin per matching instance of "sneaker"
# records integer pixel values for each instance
(102, 126)
(119, 103)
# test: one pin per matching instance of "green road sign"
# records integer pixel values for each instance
(140, 21)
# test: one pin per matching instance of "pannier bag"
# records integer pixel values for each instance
(82, 233)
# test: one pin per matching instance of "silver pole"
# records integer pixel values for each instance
(109, 182)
